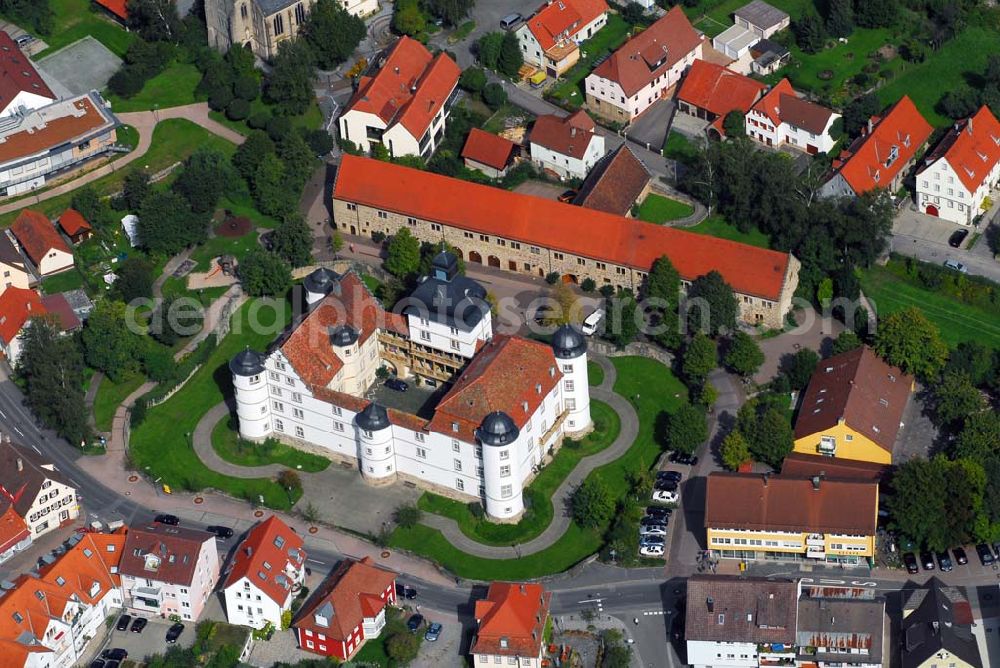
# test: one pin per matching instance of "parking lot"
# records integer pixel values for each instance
(663, 475)
(923, 227)
(151, 641)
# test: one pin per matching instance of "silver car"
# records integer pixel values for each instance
(653, 530)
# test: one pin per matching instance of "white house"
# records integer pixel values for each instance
(168, 570)
(781, 118)
(21, 87)
(403, 106)
(40, 494)
(643, 69)
(510, 625)
(959, 173)
(42, 243)
(268, 568)
(13, 268)
(550, 37)
(509, 403)
(569, 147)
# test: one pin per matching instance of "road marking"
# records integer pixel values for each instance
(316, 561)
(3, 415)
(19, 431)
(858, 583)
(654, 612)
(35, 448)
(832, 582)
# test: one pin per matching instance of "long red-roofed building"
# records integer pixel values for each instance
(511, 625)
(403, 106)
(536, 236)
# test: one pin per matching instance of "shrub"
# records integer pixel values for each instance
(258, 120)
(238, 109)
(220, 98)
(588, 285)
(494, 96)
(552, 277)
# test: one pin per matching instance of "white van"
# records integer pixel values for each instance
(510, 20)
(591, 322)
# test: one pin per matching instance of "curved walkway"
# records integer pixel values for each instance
(209, 457)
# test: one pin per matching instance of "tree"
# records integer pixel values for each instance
(773, 439)
(809, 33)
(452, 11)
(293, 240)
(332, 32)
(298, 158)
(93, 209)
(167, 224)
(403, 255)
(592, 504)
(407, 516)
(623, 326)
(251, 153)
(909, 340)
(237, 109)
(743, 356)
(289, 479)
(565, 309)
(402, 648)
(157, 360)
(473, 79)
(289, 86)
(319, 140)
(34, 13)
(336, 243)
(958, 103)
(840, 18)
(108, 343)
(263, 273)
(135, 189)
(662, 291)
(511, 59)
(954, 399)
(857, 113)
(881, 14)
(175, 318)
(799, 367)
(494, 96)
(700, 357)
(913, 50)
(135, 279)
(154, 20)
(711, 305)
(735, 450)
(980, 437)
(270, 187)
(976, 360)
(407, 18)
(488, 48)
(846, 341)
(734, 124)
(687, 429)
(206, 176)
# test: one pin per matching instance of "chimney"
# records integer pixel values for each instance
(20, 464)
(249, 550)
(870, 125)
(815, 481)
(968, 126)
(523, 590)
(710, 603)
(766, 477)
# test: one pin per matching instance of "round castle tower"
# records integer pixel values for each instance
(570, 348)
(250, 388)
(498, 435)
(319, 284)
(376, 453)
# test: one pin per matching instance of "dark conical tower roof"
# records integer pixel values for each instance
(568, 342)
(321, 281)
(373, 418)
(497, 429)
(247, 363)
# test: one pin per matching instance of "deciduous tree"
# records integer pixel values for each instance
(332, 32)
(109, 344)
(403, 255)
(734, 450)
(955, 398)
(980, 437)
(799, 367)
(743, 356)
(909, 340)
(592, 503)
(289, 85)
(154, 20)
(293, 240)
(135, 279)
(206, 176)
(700, 357)
(264, 273)
(711, 305)
(488, 49)
(840, 18)
(687, 429)
(846, 341)
(167, 224)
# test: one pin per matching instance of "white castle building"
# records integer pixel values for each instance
(502, 403)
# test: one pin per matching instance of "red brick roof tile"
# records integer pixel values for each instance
(17, 74)
(73, 223)
(511, 619)
(176, 548)
(718, 89)
(58, 129)
(37, 235)
(117, 7)
(615, 183)
(17, 305)
(560, 20)
(267, 549)
(971, 147)
(353, 591)
(488, 149)
(570, 135)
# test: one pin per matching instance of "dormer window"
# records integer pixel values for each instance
(538, 388)
(503, 643)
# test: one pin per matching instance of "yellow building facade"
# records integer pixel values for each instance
(841, 441)
(821, 547)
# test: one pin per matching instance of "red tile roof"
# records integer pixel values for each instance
(73, 223)
(355, 590)
(515, 613)
(717, 89)
(615, 183)
(268, 548)
(13, 528)
(971, 147)
(175, 549)
(861, 390)
(117, 7)
(667, 42)
(557, 226)
(503, 376)
(410, 88)
(37, 235)
(803, 465)
(902, 129)
(488, 149)
(17, 305)
(560, 20)
(58, 306)
(61, 125)
(731, 609)
(17, 74)
(570, 135)
(782, 104)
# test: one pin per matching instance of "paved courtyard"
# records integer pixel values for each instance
(82, 66)
(540, 189)
(650, 128)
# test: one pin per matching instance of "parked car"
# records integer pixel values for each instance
(665, 485)
(433, 632)
(944, 561)
(927, 561)
(567, 196)
(985, 554)
(174, 632)
(24, 40)
(960, 557)
(646, 541)
(911, 562)
(683, 458)
(673, 476)
(657, 511)
(591, 322)
(957, 237)
(123, 622)
(955, 265)
(114, 654)
(98, 663)
(220, 531)
(653, 530)
(651, 551)
(139, 624)
(396, 384)
(665, 496)
(653, 520)
(414, 622)
(172, 520)
(405, 591)
(510, 20)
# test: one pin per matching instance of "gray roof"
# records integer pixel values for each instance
(855, 625)
(460, 302)
(344, 335)
(9, 253)
(268, 7)
(247, 363)
(321, 281)
(373, 418)
(497, 429)
(761, 14)
(941, 621)
(568, 342)
(25, 485)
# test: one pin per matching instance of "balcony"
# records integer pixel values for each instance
(815, 552)
(815, 540)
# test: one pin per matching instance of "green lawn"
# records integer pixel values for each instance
(172, 87)
(658, 209)
(660, 391)
(890, 291)
(498, 120)
(595, 374)
(540, 491)
(461, 32)
(717, 226)
(127, 135)
(70, 279)
(227, 444)
(679, 147)
(75, 19)
(569, 90)
(110, 396)
(161, 445)
(844, 60)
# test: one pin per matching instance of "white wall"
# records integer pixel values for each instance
(55, 261)
(441, 336)
(246, 605)
(566, 166)
(361, 8)
(26, 100)
(55, 503)
(611, 92)
(938, 185)
(704, 654)
(188, 601)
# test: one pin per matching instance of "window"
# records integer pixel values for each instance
(425, 335)
(352, 207)
(506, 492)
(505, 471)
(337, 411)
(504, 455)
(297, 397)
(299, 432)
(338, 426)
(297, 413)
(420, 436)
(383, 215)
(300, 13)
(279, 24)
(459, 484)
(455, 344)
(278, 406)
(569, 385)
(455, 446)
(571, 404)
(458, 464)
(290, 381)
(435, 227)
(273, 375)
(411, 221)
(422, 453)
(557, 256)
(279, 425)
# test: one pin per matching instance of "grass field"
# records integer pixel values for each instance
(172, 87)
(720, 12)
(110, 395)
(678, 147)
(70, 279)
(75, 19)
(595, 374)
(658, 209)
(717, 226)
(651, 388)
(569, 90)
(161, 445)
(227, 444)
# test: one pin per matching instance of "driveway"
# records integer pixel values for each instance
(813, 331)
(540, 189)
(650, 128)
(926, 238)
(689, 126)
(151, 641)
(487, 16)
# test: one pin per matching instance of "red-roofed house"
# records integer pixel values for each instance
(13, 268)
(347, 609)
(549, 38)
(511, 625)
(404, 105)
(21, 87)
(268, 568)
(710, 91)
(117, 8)
(880, 157)
(960, 171)
(14, 533)
(781, 118)
(17, 306)
(73, 225)
(488, 153)
(644, 69)
(42, 243)
(566, 146)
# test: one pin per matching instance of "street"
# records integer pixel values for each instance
(926, 238)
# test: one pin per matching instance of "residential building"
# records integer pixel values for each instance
(882, 155)
(14, 532)
(116, 8)
(17, 307)
(13, 268)
(488, 153)
(768, 56)
(937, 628)
(21, 87)
(168, 570)
(510, 400)
(710, 91)
(737, 622)
(567, 147)
(783, 118)
(510, 625)
(75, 227)
(644, 69)
(268, 568)
(50, 615)
(499, 228)
(803, 465)
(347, 610)
(43, 497)
(960, 172)
(262, 25)
(752, 516)
(37, 145)
(841, 626)
(404, 105)
(41, 242)
(853, 408)
(617, 182)
(752, 24)
(550, 37)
